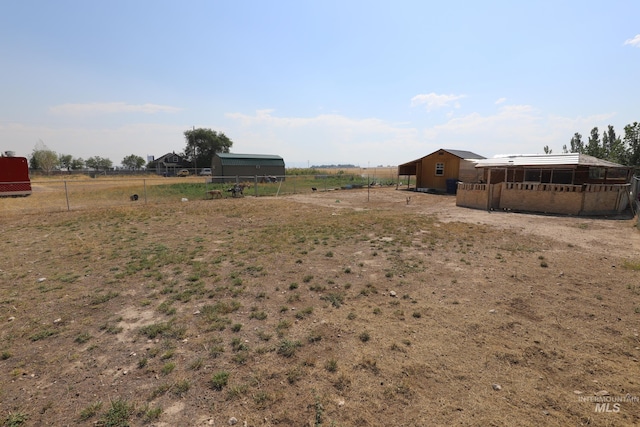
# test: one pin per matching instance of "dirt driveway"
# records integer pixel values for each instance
(614, 236)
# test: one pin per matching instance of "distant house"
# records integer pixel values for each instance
(231, 166)
(574, 184)
(170, 164)
(441, 170)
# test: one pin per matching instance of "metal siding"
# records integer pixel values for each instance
(549, 160)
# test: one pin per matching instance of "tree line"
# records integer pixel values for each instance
(608, 145)
(201, 145)
(46, 160)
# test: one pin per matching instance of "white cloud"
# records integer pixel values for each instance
(513, 129)
(111, 108)
(634, 41)
(434, 101)
(500, 101)
(326, 138)
(113, 143)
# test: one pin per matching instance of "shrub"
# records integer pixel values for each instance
(219, 380)
(288, 348)
(331, 365)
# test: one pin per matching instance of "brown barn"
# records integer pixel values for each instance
(441, 170)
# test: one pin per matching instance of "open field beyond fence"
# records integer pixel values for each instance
(79, 192)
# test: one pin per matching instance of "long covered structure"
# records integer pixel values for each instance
(571, 183)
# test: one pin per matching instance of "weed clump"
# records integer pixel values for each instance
(219, 380)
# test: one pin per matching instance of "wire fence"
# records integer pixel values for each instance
(78, 193)
(635, 196)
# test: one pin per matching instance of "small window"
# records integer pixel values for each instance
(596, 173)
(615, 173)
(439, 169)
(175, 159)
(562, 176)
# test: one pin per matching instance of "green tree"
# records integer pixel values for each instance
(547, 150)
(43, 158)
(203, 143)
(614, 146)
(133, 162)
(69, 163)
(632, 142)
(77, 164)
(577, 146)
(594, 148)
(99, 163)
(65, 161)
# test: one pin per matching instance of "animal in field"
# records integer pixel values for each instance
(314, 189)
(236, 190)
(133, 197)
(214, 194)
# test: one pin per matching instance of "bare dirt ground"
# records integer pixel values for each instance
(610, 235)
(345, 308)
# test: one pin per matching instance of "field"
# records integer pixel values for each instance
(331, 308)
(79, 191)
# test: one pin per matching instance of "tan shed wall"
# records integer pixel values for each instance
(472, 196)
(596, 199)
(426, 173)
(526, 198)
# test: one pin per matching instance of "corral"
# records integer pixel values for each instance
(347, 308)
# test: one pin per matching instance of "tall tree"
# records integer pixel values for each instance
(632, 141)
(594, 148)
(203, 143)
(577, 146)
(43, 158)
(547, 150)
(617, 151)
(133, 162)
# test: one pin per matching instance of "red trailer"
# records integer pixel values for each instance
(14, 177)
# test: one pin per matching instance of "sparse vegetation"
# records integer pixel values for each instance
(118, 414)
(90, 411)
(331, 365)
(219, 380)
(202, 308)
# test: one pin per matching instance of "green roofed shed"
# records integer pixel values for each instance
(243, 166)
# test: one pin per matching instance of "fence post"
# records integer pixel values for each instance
(255, 184)
(144, 184)
(66, 194)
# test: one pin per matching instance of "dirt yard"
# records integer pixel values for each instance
(338, 308)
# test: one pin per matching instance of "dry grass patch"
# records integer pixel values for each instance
(307, 310)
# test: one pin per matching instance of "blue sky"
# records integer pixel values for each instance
(316, 82)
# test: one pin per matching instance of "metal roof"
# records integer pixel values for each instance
(546, 160)
(250, 159)
(465, 155)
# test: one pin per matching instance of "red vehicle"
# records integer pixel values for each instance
(14, 177)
